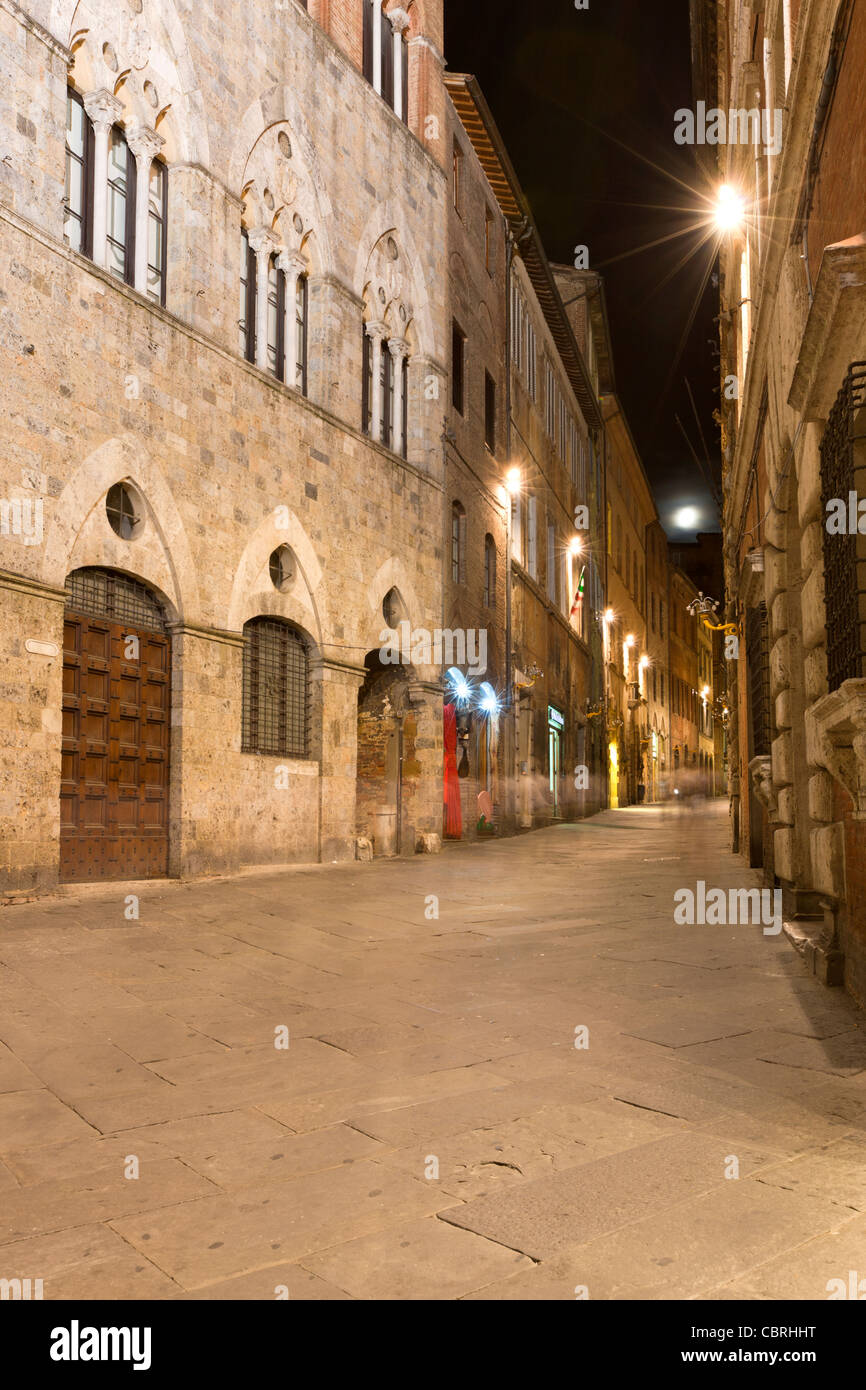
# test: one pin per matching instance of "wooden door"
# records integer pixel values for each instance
(114, 781)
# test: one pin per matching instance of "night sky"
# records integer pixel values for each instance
(585, 103)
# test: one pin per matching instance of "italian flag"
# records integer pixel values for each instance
(578, 598)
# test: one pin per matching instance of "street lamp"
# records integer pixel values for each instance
(730, 209)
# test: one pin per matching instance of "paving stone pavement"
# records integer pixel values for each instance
(431, 1130)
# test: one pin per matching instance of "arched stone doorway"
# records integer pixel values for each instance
(388, 769)
(116, 722)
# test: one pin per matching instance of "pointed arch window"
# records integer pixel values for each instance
(113, 164)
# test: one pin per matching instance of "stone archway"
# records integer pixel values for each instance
(387, 766)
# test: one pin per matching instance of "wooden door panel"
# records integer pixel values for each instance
(115, 751)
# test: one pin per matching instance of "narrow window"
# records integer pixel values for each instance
(457, 176)
(247, 315)
(301, 301)
(387, 87)
(120, 254)
(458, 352)
(157, 218)
(551, 562)
(77, 225)
(532, 540)
(489, 572)
(490, 412)
(458, 543)
(387, 394)
(488, 240)
(368, 40)
(517, 529)
(366, 381)
(276, 320)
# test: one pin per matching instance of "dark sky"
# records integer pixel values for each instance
(585, 102)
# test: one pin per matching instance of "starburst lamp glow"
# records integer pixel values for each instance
(729, 210)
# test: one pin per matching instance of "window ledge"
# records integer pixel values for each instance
(299, 767)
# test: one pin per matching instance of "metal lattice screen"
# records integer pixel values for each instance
(109, 594)
(275, 690)
(844, 646)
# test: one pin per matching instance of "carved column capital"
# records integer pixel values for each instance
(292, 262)
(103, 109)
(144, 143)
(263, 241)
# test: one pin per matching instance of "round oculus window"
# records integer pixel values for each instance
(124, 511)
(282, 568)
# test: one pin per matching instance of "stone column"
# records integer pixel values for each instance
(145, 145)
(399, 23)
(399, 349)
(264, 243)
(376, 332)
(293, 265)
(103, 110)
(422, 815)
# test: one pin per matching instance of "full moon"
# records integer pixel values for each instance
(686, 517)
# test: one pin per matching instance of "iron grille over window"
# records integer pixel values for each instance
(844, 642)
(109, 594)
(757, 650)
(275, 693)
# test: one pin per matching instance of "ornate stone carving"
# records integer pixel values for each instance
(144, 142)
(839, 722)
(761, 773)
(103, 108)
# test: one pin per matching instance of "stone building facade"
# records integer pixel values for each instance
(550, 455)
(793, 342)
(478, 728)
(225, 351)
(683, 692)
(658, 677)
(631, 512)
